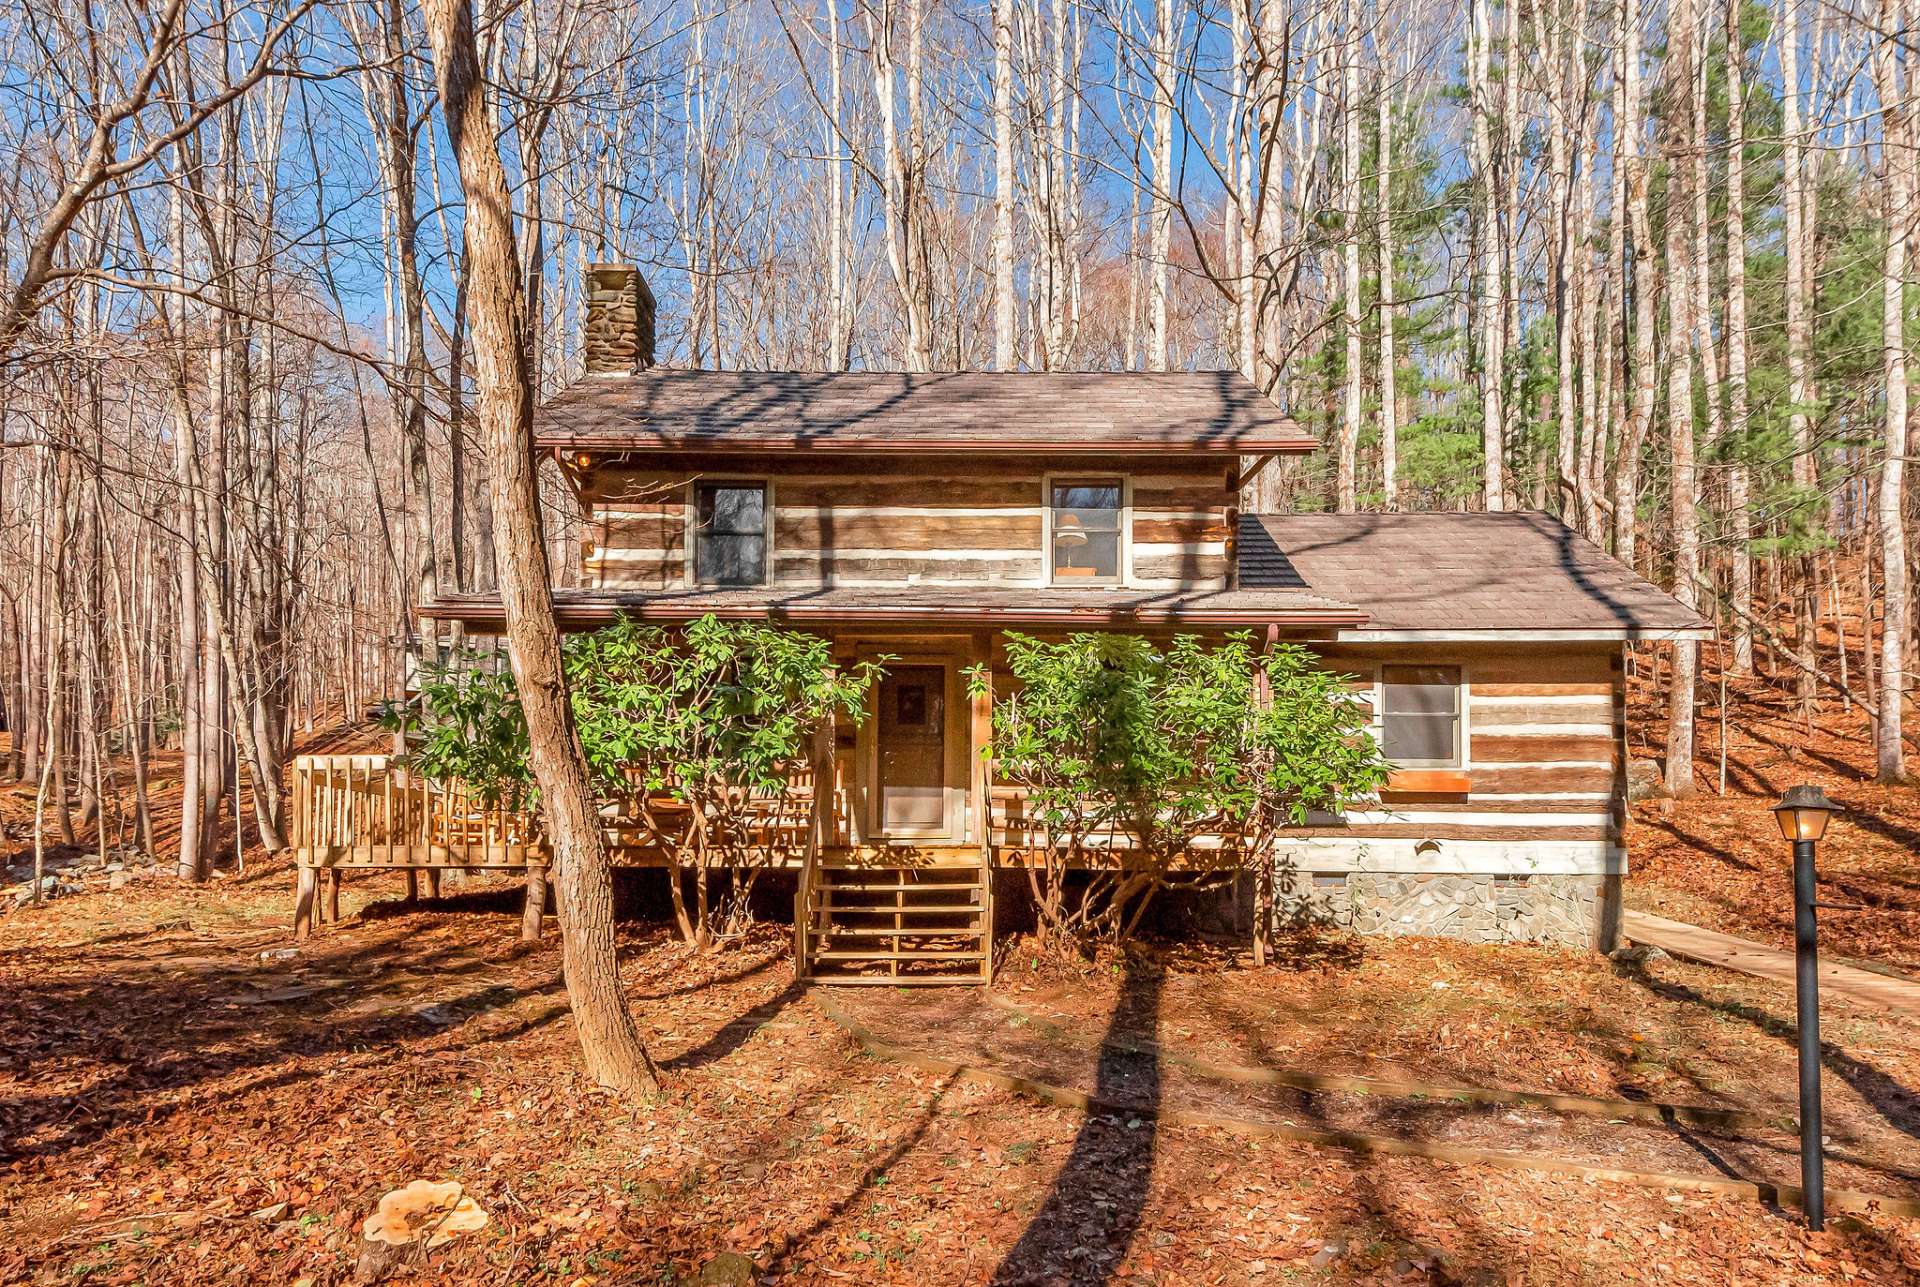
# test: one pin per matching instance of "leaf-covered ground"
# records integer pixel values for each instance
(183, 1102)
(1718, 860)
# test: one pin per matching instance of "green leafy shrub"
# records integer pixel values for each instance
(1136, 759)
(690, 734)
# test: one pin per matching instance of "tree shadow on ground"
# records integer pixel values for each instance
(788, 1248)
(735, 1032)
(1797, 750)
(1088, 1220)
(156, 1028)
(156, 1035)
(1697, 843)
(1897, 1104)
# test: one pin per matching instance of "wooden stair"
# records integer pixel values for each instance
(895, 925)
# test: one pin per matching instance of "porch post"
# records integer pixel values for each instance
(536, 908)
(1263, 861)
(981, 738)
(303, 898)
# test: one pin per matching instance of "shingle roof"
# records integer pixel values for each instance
(960, 411)
(1456, 572)
(1009, 605)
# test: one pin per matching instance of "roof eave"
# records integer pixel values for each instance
(615, 445)
(1516, 634)
(489, 616)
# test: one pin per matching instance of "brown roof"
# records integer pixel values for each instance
(1457, 572)
(960, 411)
(1034, 606)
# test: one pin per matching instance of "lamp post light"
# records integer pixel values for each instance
(1802, 814)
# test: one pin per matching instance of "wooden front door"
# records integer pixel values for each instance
(914, 776)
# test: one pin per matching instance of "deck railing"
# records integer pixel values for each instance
(366, 811)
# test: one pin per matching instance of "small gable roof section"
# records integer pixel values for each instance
(1461, 576)
(1054, 412)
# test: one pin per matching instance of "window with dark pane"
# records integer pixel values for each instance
(1086, 530)
(1420, 715)
(730, 533)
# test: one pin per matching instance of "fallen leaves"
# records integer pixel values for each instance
(248, 1144)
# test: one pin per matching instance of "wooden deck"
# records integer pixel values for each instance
(898, 912)
(361, 812)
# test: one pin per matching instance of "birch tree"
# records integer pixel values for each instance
(1896, 180)
(1681, 335)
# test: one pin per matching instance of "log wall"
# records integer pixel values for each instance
(1543, 763)
(950, 521)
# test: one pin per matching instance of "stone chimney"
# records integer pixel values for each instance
(619, 335)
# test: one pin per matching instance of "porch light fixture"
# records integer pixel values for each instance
(1802, 814)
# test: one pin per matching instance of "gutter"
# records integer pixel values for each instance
(490, 615)
(629, 442)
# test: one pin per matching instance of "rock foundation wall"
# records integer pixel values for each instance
(1564, 910)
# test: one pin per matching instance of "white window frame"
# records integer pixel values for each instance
(1125, 561)
(691, 500)
(1462, 737)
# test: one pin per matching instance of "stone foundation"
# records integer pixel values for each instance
(1564, 910)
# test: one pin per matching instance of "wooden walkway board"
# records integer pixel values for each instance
(1709, 947)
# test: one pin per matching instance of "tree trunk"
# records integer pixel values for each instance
(1347, 455)
(1383, 222)
(1160, 199)
(1003, 319)
(1683, 505)
(1889, 749)
(1492, 312)
(1793, 181)
(1740, 587)
(611, 1044)
(1626, 474)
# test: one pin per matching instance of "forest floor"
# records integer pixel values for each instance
(182, 1099)
(1718, 861)
(185, 1099)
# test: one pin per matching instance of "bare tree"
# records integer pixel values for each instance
(1159, 200)
(1683, 503)
(1347, 452)
(1490, 253)
(1739, 497)
(1889, 747)
(1383, 234)
(615, 1055)
(1003, 195)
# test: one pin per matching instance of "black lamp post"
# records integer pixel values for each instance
(1802, 814)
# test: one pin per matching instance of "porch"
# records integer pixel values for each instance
(879, 909)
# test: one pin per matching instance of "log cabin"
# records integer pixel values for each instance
(923, 516)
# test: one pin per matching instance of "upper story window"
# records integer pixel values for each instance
(730, 533)
(1420, 716)
(1085, 521)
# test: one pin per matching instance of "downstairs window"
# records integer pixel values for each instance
(1420, 716)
